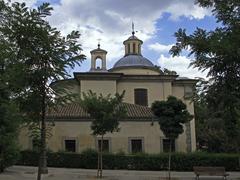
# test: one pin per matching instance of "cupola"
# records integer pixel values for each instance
(98, 60)
(132, 44)
(133, 56)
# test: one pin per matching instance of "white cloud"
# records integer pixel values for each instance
(188, 10)
(111, 20)
(160, 47)
(180, 64)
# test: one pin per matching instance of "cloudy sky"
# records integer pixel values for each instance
(110, 20)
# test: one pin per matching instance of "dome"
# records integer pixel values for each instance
(133, 37)
(133, 60)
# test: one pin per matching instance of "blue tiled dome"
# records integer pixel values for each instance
(133, 60)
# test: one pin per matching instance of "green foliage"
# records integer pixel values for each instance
(106, 111)
(201, 114)
(164, 71)
(218, 52)
(9, 110)
(180, 161)
(39, 53)
(89, 152)
(33, 55)
(168, 72)
(172, 115)
(210, 133)
(9, 124)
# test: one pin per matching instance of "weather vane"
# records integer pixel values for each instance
(98, 42)
(133, 32)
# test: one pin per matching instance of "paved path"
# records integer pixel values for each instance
(29, 173)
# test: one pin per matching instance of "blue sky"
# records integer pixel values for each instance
(110, 20)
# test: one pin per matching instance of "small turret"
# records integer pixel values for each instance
(98, 55)
(132, 44)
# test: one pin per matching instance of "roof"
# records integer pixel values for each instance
(98, 50)
(132, 37)
(75, 111)
(181, 78)
(133, 60)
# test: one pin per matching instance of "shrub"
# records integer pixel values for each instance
(180, 161)
(9, 155)
(28, 158)
(89, 159)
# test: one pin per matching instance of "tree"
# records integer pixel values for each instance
(106, 112)
(41, 55)
(218, 51)
(201, 113)
(209, 130)
(9, 110)
(9, 123)
(172, 115)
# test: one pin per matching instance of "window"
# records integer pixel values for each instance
(134, 48)
(128, 48)
(140, 97)
(136, 145)
(98, 64)
(188, 92)
(166, 145)
(105, 145)
(70, 145)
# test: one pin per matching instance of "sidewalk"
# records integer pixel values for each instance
(30, 173)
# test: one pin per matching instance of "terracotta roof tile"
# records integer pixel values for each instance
(75, 111)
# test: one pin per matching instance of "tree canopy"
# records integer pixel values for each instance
(106, 111)
(218, 52)
(172, 115)
(33, 55)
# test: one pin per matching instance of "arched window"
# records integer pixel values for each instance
(134, 48)
(141, 96)
(98, 63)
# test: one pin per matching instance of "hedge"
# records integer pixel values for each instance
(88, 160)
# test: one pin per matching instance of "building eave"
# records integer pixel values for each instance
(88, 119)
(99, 50)
(97, 76)
(159, 78)
(185, 82)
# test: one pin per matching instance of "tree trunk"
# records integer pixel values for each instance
(169, 160)
(42, 166)
(1, 160)
(1, 165)
(101, 159)
(98, 165)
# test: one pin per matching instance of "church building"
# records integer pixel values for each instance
(143, 83)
